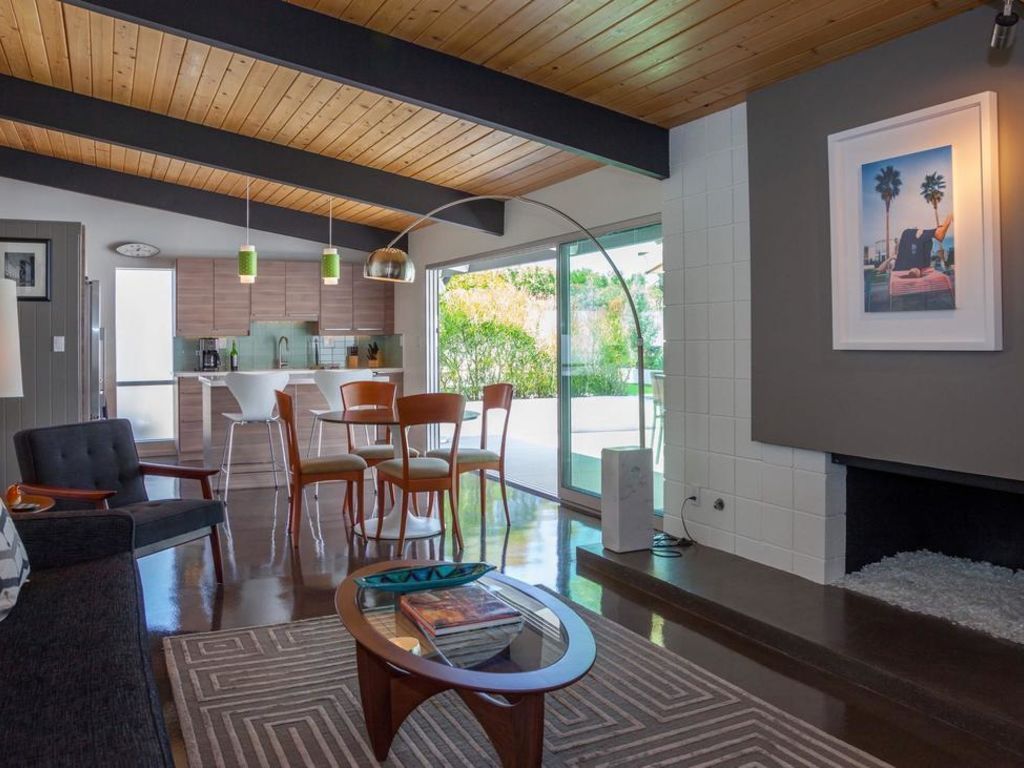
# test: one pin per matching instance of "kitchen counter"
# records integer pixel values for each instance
(203, 396)
(306, 371)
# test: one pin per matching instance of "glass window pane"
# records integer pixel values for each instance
(599, 353)
(143, 324)
(150, 410)
(499, 324)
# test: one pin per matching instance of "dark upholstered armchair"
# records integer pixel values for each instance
(96, 464)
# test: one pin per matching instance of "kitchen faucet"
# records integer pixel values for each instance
(282, 355)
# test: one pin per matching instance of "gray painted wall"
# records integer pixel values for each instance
(53, 382)
(951, 410)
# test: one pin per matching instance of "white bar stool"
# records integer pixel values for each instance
(255, 395)
(329, 382)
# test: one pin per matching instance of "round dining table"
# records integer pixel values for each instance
(388, 526)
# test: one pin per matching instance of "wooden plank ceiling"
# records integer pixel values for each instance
(113, 157)
(664, 61)
(67, 47)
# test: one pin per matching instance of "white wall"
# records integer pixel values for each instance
(604, 196)
(783, 507)
(109, 223)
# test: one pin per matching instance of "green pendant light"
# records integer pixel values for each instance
(330, 261)
(247, 256)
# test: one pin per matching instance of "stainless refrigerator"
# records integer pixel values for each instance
(94, 400)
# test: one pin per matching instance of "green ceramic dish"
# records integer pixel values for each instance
(437, 576)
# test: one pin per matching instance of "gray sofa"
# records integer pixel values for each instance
(76, 684)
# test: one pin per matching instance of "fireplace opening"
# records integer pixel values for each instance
(938, 546)
(888, 513)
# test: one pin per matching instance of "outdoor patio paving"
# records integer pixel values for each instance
(532, 449)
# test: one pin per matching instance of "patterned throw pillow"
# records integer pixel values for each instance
(13, 563)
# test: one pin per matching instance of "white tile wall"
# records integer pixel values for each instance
(783, 507)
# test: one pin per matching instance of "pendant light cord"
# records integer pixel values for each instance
(330, 222)
(247, 181)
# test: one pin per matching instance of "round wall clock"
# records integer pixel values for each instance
(137, 250)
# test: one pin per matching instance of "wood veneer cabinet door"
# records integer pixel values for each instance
(302, 295)
(269, 291)
(190, 418)
(232, 300)
(194, 297)
(373, 305)
(336, 310)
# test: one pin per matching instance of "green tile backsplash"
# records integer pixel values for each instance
(258, 350)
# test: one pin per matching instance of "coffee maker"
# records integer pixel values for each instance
(209, 357)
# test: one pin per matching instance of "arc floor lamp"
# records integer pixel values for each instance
(394, 265)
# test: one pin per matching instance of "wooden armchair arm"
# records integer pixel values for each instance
(174, 470)
(202, 474)
(97, 499)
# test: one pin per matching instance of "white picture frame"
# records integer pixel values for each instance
(929, 279)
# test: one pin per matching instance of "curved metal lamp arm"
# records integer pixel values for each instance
(607, 257)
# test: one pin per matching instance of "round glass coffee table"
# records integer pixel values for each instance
(500, 673)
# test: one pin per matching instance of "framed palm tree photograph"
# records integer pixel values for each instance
(914, 230)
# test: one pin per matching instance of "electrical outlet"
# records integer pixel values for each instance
(694, 491)
(58, 343)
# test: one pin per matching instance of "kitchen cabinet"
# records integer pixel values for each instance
(194, 294)
(212, 302)
(373, 305)
(232, 300)
(269, 291)
(302, 290)
(190, 418)
(336, 307)
(287, 290)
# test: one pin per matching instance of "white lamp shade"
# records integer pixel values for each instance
(10, 342)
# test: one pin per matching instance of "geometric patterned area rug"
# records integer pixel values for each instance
(287, 695)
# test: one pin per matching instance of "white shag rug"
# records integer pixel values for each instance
(981, 596)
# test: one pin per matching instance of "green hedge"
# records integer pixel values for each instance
(477, 353)
(480, 343)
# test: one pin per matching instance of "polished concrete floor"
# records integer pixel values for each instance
(267, 582)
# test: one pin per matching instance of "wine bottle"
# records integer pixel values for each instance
(234, 356)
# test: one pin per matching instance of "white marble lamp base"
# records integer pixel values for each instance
(627, 498)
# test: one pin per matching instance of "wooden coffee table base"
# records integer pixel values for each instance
(389, 695)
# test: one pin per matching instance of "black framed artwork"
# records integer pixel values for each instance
(27, 262)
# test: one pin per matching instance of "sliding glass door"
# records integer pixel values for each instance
(598, 404)
(553, 320)
(497, 321)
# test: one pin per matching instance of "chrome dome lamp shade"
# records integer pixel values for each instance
(390, 264)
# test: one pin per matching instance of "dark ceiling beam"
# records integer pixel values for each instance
(285, 34)
(138, 190)
(41, 105)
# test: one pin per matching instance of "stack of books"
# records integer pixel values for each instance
(467, 624)
(459, 609)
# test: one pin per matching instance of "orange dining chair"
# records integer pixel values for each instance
(342, 467)
(371, 394)
(497, 397)
(427, 474)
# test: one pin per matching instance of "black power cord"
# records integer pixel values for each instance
(665, 545)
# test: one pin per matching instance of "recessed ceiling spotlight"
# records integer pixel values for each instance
(1005, 28)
